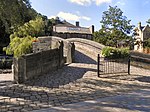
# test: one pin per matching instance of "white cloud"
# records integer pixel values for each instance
(120, 3)
(86, 18)
(77, 12)
(146, 2)
(70, 16)
(89, 2)
(52, 17)
(99, 2)
(81, 2)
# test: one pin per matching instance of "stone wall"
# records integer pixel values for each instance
(73, 35)
(36, 64)
(89, 46)
(140, 59)
(51, 42)
(146, 33)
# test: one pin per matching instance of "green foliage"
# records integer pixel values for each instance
(15, 12)
(148, 21)
(113, 19)
(21, 40)
(6, 63)
(107, 51)
(110, 52)
(115, 27)
(147, 43)
(19, 46)
(33, 28)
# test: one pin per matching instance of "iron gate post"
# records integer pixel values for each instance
(98, 64)
(129, 65)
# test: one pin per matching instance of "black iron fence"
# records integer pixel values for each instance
(112, 66)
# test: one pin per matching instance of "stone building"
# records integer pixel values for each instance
(142, 33)
(66, 30)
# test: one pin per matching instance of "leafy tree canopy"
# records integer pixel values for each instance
(113, 19)
(148, 21)
(15, 12)
(115, 27)
(33, 28)
(21, 40)
(14, 20)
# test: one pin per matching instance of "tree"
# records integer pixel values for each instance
(115, 27)
(148, 21)
(13, 13)
(32, 28)
(21, 40)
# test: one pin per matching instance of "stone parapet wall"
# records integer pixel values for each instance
(73, 35)
(140, 59)
(36, 64)
(140, 55)
(87, 45)
(51, 42)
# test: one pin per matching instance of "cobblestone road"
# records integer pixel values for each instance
(74, 83)
(136, 101)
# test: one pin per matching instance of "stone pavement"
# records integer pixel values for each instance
(74, 83)
(136, 101)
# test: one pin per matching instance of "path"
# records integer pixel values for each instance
(72, 84)
(137, 101)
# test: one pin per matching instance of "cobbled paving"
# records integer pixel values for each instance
(73, 83)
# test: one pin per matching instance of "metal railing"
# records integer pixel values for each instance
(112, 66)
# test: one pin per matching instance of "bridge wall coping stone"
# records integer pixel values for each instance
(88, 42)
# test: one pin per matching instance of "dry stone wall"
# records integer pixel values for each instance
(51, 42)
(36, 64)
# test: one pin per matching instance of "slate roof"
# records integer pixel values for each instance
(72, 28)
(65, 24)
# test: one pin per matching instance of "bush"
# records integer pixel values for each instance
(5, 62)
(147, 43)
(19, 46)
(110, 52)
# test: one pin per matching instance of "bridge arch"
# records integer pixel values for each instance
(87, 47)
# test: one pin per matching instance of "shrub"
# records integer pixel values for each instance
(107, 51)
(6, 62)
(19, 46)
(110, 52)
(147, 43)
(21, 40)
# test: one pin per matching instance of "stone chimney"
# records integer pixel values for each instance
(57, 20)
(92, 29)
(77, 23)
(139, 25)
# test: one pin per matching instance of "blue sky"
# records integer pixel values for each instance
(89, 12)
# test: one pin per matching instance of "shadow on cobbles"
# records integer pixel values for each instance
(82, 58)
(68, 85)
(65, 75)
(23, 97)
(144, 79)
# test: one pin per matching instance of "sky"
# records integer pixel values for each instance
(89, 12)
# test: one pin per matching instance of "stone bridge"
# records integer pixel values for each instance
(76, 82)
